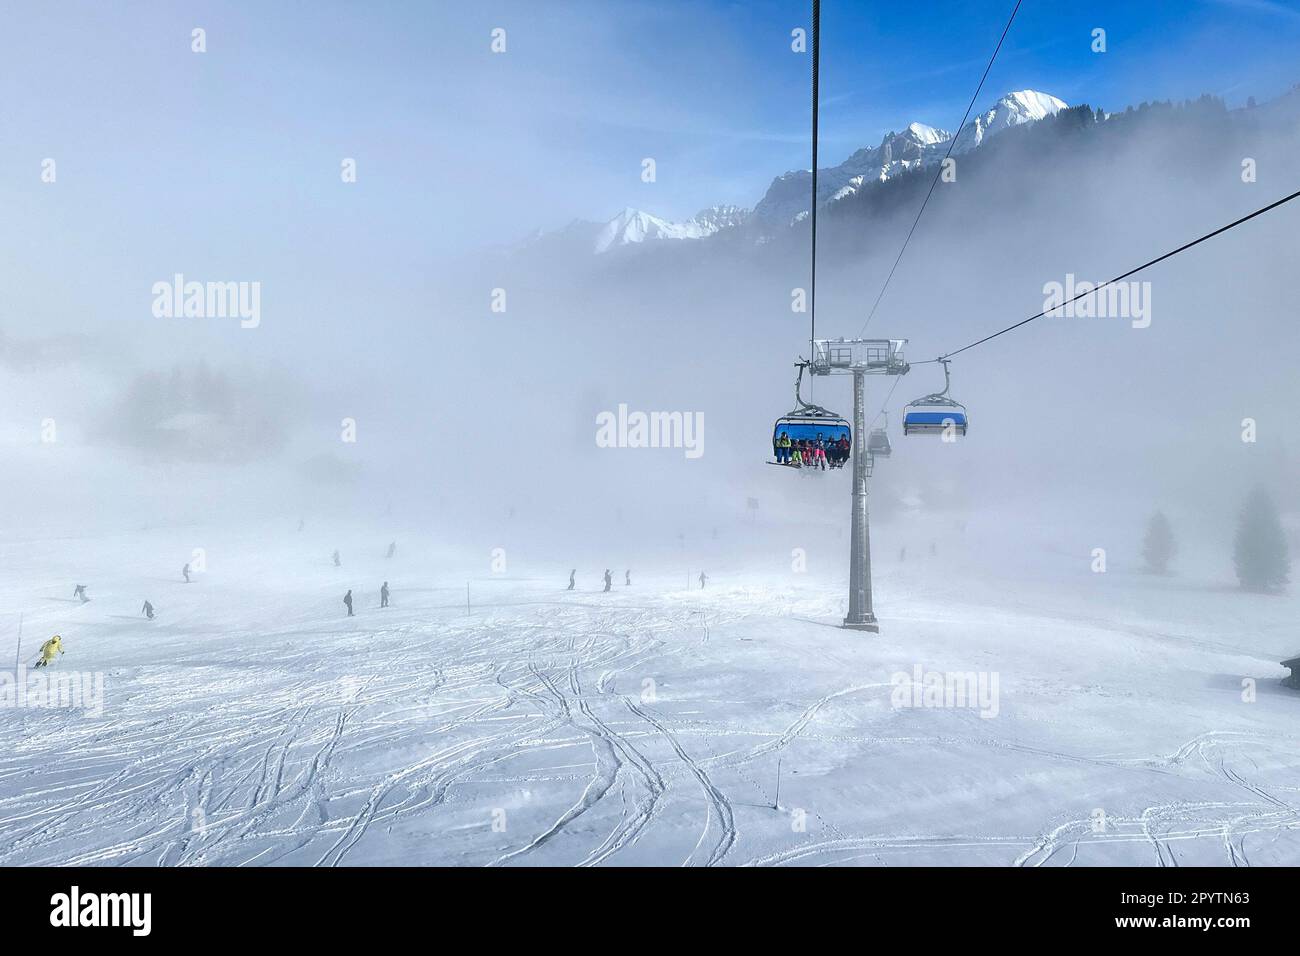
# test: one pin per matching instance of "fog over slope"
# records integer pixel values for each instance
(1070, 415)
(471, 422)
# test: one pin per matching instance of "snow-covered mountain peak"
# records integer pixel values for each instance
(722, 217)
(1014, 109)
(1032, 104)
(927, 135)
(636, 226)
(629, 225)
(916, 146)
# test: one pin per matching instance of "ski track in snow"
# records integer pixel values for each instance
(523, 735)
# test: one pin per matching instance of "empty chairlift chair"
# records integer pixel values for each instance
(878, 442)
(936, 413)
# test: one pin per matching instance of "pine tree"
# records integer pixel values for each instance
(1159, 548)
(1260, 549)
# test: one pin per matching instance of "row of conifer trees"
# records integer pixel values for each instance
(1259, 549)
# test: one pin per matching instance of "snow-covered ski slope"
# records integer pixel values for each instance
(253, 723)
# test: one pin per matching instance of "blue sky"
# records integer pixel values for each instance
(458, 146)
(887, 64)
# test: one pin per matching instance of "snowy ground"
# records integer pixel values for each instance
(252, 723)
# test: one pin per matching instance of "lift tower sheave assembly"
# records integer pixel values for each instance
(859, 358)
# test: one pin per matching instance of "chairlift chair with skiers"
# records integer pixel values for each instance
(809, 423)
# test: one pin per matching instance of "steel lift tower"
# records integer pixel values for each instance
(859, 358)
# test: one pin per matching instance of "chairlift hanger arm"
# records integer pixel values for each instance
(939, 398)
(807, 408)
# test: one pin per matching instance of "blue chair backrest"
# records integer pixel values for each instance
(934, 418)
(799, 431)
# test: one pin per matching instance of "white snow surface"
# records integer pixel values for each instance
(253, 723)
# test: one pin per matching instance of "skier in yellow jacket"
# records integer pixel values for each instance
(51, 647)
(783, 449)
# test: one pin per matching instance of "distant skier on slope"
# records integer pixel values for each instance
(627, 578)
(392, 547)
(51, 647)
(337, 562)
(147, 610)
(703, 577)
(80, 592)
(185, 571)
(383, 595)
(609, 579)
(347, 599)
(572, 575)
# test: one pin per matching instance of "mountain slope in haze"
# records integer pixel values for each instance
(786, 200)
(854, 186)
(634, 226)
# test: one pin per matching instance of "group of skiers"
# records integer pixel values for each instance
(383, 598)
(609, 579)
(147, 610)
(55, 644)
(819, 452)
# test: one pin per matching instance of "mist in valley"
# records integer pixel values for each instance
(474, 384)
